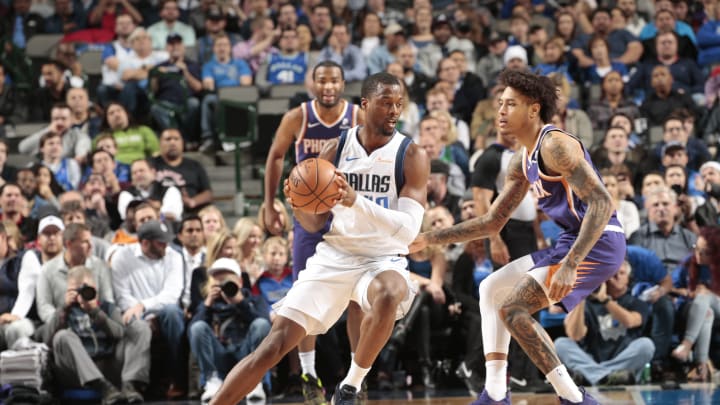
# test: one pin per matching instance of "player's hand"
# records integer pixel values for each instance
(347, 194)
(562, 282)
(418, 244)
(272, 219)
(499, 251)
(286, 191)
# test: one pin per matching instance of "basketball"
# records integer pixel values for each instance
(312, 186)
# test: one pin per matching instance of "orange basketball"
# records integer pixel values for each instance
(312, 186)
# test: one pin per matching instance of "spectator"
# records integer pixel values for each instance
(605, 342)
(369, 34)
(255, 9)
(212, 221)
(8, 173)
(118, 50)
(52, 282)
(383, 54)
(249, 239)
(635, 21)
(103, 163)
(12, 204)
(603, 65)
(167, 200)
(664, 99)
(469, 88)
(72, 212)
(677, 178)
(627, 212)
(107, 143)
(132, 141)
(104, 12)
(100, 206)
(12, 110)
(276, 278)
(320, 26)
(176, 86)
(554, 59)
(575, 120)
(437, 188)
(708, 41)
(430, 139)
(665, 21)
(221, 244)
(192, 249)
(47, 190)
(345, 54)
(52, 91)
(444, 42)
(696, 282)
(75, 144)
(84, 118)
(65, 170)
(221, 71)
(65, 19)
(134, 71)
(707, 214)
(19, 272)
(147, 277)
(215, 26)
(138, 212)
(259, 46)
(453, 149)
(515, 57)
(49, 246)
(188, 175)
(287, 16)
(614, 150)
(169, 13)
(227, 302)
(422, 29)
(623, 46)
(286, 65)
(675, 131)
(417, 82)
(612, 101)
(21, 24)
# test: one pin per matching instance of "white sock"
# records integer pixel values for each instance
(352, 356)
(307, 362)
(355, 376)
(563, 384)
(496, 379)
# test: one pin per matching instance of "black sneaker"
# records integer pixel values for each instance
(470, 379)
(131, 394)
(313, 391)
(345, 395)
(362, 396)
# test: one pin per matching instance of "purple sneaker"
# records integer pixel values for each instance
(484, 399)
(587, 399)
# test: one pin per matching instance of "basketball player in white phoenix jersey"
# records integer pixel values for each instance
(382, 178)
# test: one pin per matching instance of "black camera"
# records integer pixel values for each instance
(678, 189)
(229, 288)
(87, 292)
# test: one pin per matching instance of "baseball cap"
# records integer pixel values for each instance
(515, 52)
(672, 147)
(155, 230)
(50, 220)
(496, 37)
(437, 166)
(392, 29)
(224, 264)
(173, 37)
(215, 13)
(442, 19)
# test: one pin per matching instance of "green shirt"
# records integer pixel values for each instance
(135, 143)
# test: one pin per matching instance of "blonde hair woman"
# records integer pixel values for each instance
(212, 221)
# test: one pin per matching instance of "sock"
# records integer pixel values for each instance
(496, 379)
(355, 376)
(352, 356)
(307, 362)
(564, 385)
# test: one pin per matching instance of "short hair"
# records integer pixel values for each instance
(98, 151)
(79, 273)
(435, 92)
(73, 231)
(46, 136)
(104, 136)
(539, 89)
(328, 64)
(672, 117)
(189, 218)
(658, 190)
(9, 184)
(148, 162)
(672, 33)
(664, 10)
(60, 105)
(275, 241)
(320, 5)
(71, 207)
(600, 10)
(56, 63)
(616, 127)
(371, 84)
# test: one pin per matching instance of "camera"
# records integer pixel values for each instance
(87, 292)
(678, 189)
(229, 288)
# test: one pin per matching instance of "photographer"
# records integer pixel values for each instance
(227, 326)
(605, 344)
(90, 342)
(707, 214)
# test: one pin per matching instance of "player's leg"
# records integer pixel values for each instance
(284, 335)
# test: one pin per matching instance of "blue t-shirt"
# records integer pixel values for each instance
(273, 289)
(226, 74)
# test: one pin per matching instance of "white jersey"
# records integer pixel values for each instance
(378, 177)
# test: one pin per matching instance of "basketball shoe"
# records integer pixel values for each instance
(587, 399)
(313, 391)
(345, 395)
(484, 399)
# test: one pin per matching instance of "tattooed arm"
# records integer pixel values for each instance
(516, 187)
(563, 156)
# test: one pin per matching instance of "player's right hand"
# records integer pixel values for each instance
(286, 191)
(418, 244)
(272, 219)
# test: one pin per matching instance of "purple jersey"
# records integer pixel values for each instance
(557, 200)
(555, 197)
(315, 133)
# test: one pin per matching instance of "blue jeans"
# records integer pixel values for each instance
(632, 358)
(185, 121)
(207, 116)
(663, 323)
(171, 322)
(213, 356)
(133, 97)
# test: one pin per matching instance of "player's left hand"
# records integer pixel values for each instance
(418, 244)
(562, 282)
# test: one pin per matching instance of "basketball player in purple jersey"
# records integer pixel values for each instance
(310, 126)
(591, 248)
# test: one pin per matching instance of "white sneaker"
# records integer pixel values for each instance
(211, 388)
(257, 395)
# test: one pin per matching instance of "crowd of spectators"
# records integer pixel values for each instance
(112, 250)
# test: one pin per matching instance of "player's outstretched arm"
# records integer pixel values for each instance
(515, 189)
(564, 155)
(284, 137)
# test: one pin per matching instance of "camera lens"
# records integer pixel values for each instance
(229, 288)
(88, 293)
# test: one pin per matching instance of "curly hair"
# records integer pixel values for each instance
(712, 235)
(539, 89)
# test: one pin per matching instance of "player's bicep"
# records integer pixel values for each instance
(416, 171)
(289, 127)
(329, 150)
(563, 155)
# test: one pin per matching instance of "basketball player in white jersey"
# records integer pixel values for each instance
(309, 127)
(383, 178)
